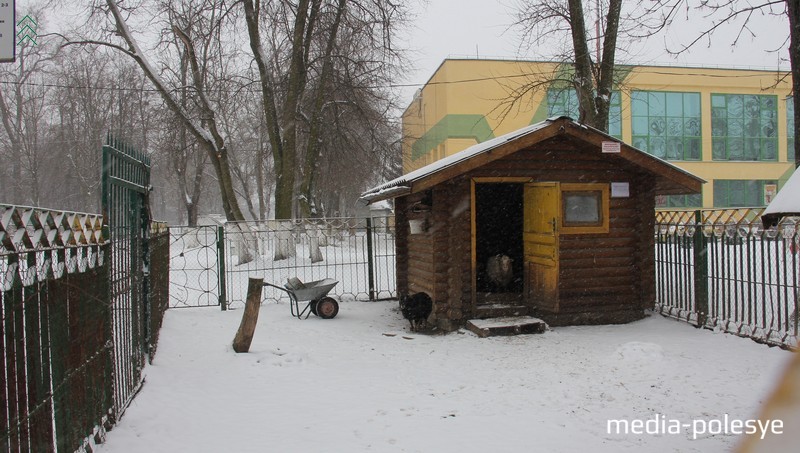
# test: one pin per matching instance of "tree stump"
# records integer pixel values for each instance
(244, 336)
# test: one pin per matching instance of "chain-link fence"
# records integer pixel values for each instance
(210, 265)
(723, 270)
(358, 253)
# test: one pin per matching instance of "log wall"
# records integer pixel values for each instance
(603, 278)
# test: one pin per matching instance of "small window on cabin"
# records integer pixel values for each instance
(584, 208)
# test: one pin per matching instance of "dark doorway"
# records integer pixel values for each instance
(498, 225)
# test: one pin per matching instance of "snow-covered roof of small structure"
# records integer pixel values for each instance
(673, 180)
(383, 204)
(785, 203)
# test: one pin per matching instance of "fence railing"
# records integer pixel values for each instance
(716, 268)
(58, 330)
(125, 182)
(721, 269)
(195, 266)
(210, 265)
(358, 253)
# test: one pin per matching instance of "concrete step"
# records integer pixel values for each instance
(500, 310)
(505, 326)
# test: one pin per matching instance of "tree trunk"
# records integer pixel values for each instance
(605, 79)
(307, 202)
(284, 242)
(251, 10)
(793, 9)
(284, 193)
(247, 328)
(314, 251)
(260, 158)
(191, 214)
(283, 128)
(584, 79)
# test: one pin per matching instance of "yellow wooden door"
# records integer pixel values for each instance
(540, 242)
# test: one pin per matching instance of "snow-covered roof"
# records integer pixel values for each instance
(383, 204)
(785, 203)
(685, 182)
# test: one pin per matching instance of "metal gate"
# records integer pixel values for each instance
(126, 188)
(197, 277)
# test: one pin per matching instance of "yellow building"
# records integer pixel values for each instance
(727, 126)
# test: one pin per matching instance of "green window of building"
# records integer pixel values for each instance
(735, 193)
(790, 128)
(562, 102)
(744, 127)
(565, 102)
(615, 115)
(680, 201)
(667, 124)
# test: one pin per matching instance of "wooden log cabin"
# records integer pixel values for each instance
(572, 207)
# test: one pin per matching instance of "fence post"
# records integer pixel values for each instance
(700, 270)
(108, 326)
(370, 260)
(144, 235)
(221, 270)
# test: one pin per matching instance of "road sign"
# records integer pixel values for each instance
(8, 37)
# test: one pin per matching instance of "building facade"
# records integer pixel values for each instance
(731, 127)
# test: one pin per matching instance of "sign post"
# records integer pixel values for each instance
(8, 35)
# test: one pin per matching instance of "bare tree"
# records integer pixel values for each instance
(660, 15)
(23, 104)
(592, 80)
(94, 95)
(319, 64)
(203, 127)
(297, 101)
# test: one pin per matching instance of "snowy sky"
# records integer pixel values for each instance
(478, 27)
(469, 28)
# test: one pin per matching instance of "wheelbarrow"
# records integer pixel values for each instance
(316, 293)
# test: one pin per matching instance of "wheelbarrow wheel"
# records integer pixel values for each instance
(327, 308)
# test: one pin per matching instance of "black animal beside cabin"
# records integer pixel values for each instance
(416, 308)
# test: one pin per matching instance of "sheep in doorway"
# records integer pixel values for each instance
(499, 270)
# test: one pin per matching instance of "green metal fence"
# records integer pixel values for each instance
(82, 297)
(721, 269)
(126, 189)
(54, 369)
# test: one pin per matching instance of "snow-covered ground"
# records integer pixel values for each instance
(362, 382)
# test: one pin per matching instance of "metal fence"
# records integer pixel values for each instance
(82, 299)
(59, 330)
(210, 265)
(54, 367)
(126, 188)
(721, 269)
(195, 267)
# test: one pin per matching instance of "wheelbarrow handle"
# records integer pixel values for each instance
(278, 287)
(294, 306)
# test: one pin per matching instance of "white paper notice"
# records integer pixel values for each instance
(620, 190)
